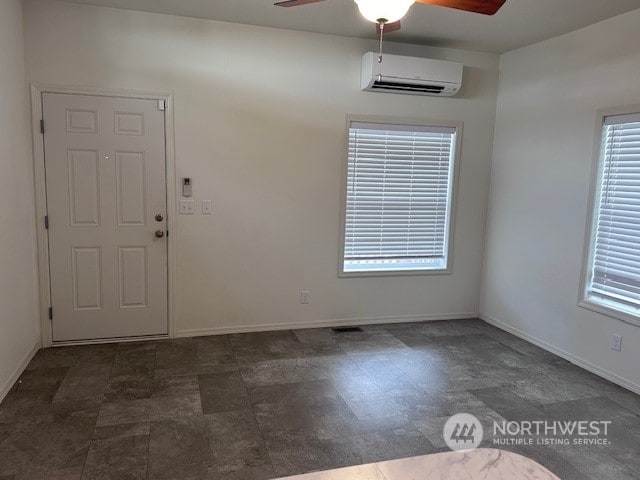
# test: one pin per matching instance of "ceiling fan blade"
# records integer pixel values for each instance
(389, 27)
(485, 7)
(295, 3)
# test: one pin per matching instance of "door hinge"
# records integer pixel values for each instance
(46, 222)
(42, 126)
(162, 105)
(50, 313)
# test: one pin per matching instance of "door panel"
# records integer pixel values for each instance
(132, 197)
(84, 188)
(132, 277)
(87, 277)
(106, 181)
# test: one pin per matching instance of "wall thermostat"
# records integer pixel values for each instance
(187, 189)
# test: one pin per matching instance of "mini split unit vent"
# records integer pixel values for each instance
(410, 75)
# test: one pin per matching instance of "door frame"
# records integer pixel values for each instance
(41, 202)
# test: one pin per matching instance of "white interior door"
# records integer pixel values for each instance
(107, 207)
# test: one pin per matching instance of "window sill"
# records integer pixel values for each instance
(393, 273)
(612, 309)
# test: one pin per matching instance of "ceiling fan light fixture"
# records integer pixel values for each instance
(388, 10)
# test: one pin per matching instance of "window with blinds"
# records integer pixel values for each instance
(614, 277)
(398, 197)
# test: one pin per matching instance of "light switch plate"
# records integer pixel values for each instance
(187, 207)
(305, 297)
(207, 208)
(616, 343)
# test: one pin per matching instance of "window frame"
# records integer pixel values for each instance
(591, 302)
(457, 155)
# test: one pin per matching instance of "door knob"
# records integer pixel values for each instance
(159, 217)
(159, 233)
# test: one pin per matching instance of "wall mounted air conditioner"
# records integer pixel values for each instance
(411, 75)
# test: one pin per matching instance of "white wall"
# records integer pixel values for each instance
(547, 103)
(19, 325)
(259, 125)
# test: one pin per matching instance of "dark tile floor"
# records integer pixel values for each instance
(263, 405)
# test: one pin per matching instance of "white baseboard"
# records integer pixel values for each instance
(100, 341)
(341, 322)
(18, 371)
(580, 362)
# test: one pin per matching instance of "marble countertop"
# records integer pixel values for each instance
(481, 464)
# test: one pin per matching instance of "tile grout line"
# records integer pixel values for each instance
(95, 427)
(155, 363)
(253, 411)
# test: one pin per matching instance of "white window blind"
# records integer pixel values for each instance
(615, 264)
(398, 201)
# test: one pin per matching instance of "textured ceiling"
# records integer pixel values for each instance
(519, 23)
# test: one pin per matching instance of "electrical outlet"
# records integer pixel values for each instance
(616, 343)
(305, 297)
(207, 208)
(187, 207)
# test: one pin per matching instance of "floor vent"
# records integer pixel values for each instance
(346, 329)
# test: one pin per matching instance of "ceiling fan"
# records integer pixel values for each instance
(386, 14)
